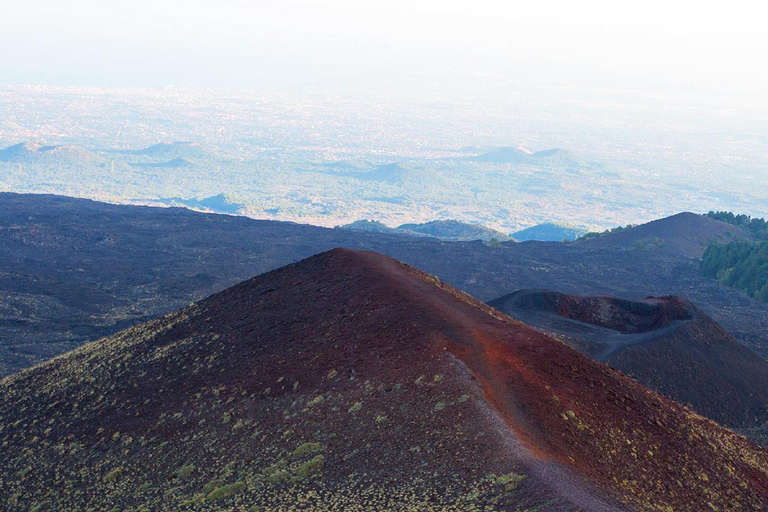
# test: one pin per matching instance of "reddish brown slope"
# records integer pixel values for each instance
(386, 373)
(665, 343)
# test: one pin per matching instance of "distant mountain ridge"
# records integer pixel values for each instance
(176, 162)
(451, 230)
(391, 173)
(555, 157)
(169, 151)
(35, 154)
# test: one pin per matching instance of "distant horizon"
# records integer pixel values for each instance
(426, 46)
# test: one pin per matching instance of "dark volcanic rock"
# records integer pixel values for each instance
(351, 380)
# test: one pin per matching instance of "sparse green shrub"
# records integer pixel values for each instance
(210, 486)
(184, 471)
(274, 468)
(280, 475)
(315, 401)
(510, 481)
(306, 449)
(225, 491)
(113, 475)
(356, 407)
(311, 467)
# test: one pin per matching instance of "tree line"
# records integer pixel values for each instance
(756, 225)
(742, 265)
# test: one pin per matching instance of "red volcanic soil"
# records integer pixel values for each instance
(665, 343)
(628, 316)
(684, 234)
(391, 374)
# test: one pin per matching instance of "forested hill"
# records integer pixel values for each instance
(741, 264)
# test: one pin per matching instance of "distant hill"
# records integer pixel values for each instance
(352, 381)
(451, 230)
(665, 343)
(36, 154)
(393, 173)
(390, 173)
(455, 230)
(372, 226)
(168, 151)
(175, 163)
(554, 158)
(562, 158)
(549, 232)
(686, 234)
(221, 203)
(503, 155)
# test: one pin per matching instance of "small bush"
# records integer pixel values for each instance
(210, 486)
(225, 491)
(311, 467)
(280, 475)
(306, 449)
(113, 475)
(184, 471)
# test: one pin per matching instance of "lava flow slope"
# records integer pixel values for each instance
(666, 343)
(684, 234)
(350, 381)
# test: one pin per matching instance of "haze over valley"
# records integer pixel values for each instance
(508, 161)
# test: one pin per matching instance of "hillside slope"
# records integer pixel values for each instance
(351, 380)
(31, 153)
(685, 234)
(665, 343)
(454, 230)
(549, 232)
(76, 270)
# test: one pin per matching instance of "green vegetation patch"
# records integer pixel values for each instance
(742, 265)
(758, 226)
(307, 449)
(225, 491)
(113, 475)
(311, 467)
(184, 471)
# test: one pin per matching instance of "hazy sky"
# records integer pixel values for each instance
(671, 45)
